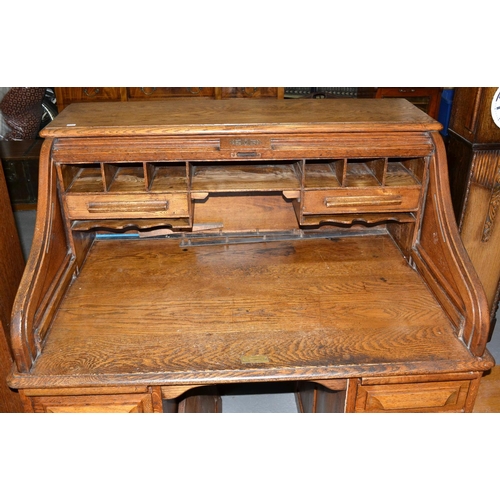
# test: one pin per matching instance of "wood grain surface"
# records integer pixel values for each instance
(376, 302)
(193, 116)
(154, 307)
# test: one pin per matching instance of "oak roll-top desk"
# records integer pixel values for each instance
(189, 244)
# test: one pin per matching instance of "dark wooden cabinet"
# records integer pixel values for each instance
(20, 165)
(186, 244)
(11, 270)
(425, 98)
(474, 168)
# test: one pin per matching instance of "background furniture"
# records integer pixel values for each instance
(186, 244)
(11, 269)
(329, 92)
(20, 164)
(474, 164)
(425, 98)
(67, 95)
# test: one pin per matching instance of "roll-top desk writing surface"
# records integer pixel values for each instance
(185, 245)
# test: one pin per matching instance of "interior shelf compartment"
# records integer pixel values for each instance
(324, 174)
(167, 176)
(123, 177)
(81, 178)
(405, 172)
(363, 173)
(246, 176)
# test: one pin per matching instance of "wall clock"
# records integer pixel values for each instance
(495, 108)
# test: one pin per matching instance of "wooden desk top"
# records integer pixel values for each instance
(189, 116)
(152, 311)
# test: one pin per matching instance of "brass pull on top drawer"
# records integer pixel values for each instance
(359, 201)
(127, 206)
(246, 154)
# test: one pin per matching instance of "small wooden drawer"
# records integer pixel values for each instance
(416, 397)
(341, 200)
(119, 403)
(109, 206)
(167, 92)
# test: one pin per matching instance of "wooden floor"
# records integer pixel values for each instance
(488, 398)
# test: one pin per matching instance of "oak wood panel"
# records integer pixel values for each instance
(239, 212)
(279, 146)
(423, 397)
(393, 295)
(48, 259)
(441, 241)
(488, 397)
(123, 403)
(193, 116)
(484, 252)
(199, 317)
(363, 144)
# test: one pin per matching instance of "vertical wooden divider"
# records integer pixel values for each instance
(149, 172)
(341, 171)
(378, 168)
(108, 173)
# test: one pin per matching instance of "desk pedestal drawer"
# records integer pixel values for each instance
(418, 397)
(119, 403)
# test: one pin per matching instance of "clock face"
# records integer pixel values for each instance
(495, 108)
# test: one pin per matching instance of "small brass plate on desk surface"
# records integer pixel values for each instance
(254, 358)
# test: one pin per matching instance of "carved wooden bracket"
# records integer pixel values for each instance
(494, 199)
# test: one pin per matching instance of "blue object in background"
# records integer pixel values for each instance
(445, 109)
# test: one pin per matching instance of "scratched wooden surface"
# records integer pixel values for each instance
(280, 306)
(193, 116)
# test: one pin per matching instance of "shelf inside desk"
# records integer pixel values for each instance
(244, 177)
(285, 309)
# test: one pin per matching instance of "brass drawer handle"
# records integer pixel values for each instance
(127, 206)
(194, 90)
(246, 154)
(143, 90)
(359, 201)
